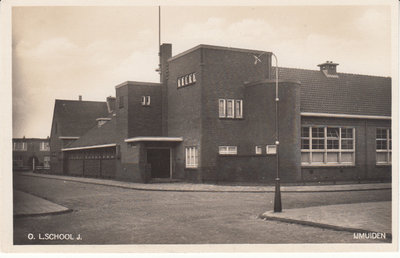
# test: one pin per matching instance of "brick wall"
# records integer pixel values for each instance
(184, 109)
(144, 120)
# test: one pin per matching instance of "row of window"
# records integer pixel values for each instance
(230, 108)
(327, 145)
(192, 155)
(23, 146)
(320, 145)
(186, 80)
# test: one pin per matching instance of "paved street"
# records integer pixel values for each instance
(111, 215)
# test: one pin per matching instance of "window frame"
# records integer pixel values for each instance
(325, 151)
(238, 111)
(42, 146)
(388, 149)
(258, 150)
(228, 152)
(191, 157)
(145, 100)
(186, 80)
(24, 146)
(223, 102)
(235, 111)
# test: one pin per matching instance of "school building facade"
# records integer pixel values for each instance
(212, 118)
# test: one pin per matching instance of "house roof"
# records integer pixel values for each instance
(76, 117)
(348, 94)
(105, 134)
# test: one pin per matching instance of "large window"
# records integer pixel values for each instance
(230, 108)
(44, 146)
(20, 146)
(192, 157)
(325, 145)
(227, 150)
(383, 146)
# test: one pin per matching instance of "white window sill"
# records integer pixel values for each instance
(303, 165)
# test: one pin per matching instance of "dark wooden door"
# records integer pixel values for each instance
(159, 159)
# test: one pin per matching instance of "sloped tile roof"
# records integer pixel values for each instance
(348, 94)
(105, 134)
(75, 117)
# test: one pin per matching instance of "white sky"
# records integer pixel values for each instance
(63, 52)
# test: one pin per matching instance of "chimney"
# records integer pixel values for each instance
(111, 104)
(80, 97)
(329, 69)
(165, 54)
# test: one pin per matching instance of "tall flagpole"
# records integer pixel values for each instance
(159, 26)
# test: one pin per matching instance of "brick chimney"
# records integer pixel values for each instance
(80, 97)
(111, 104)
(165, 54)
(329, 69)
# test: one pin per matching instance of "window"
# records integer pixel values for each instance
(271, 149)
(383, 146)
(258, 150)
(230, 108)
(228, 150)
(327, 145)
(222, 108)
(20, 146)
(121, 101)
(44, 146)
(239, 108)
(230, 111)
(192, 157)
(145, 101)
(186, 80)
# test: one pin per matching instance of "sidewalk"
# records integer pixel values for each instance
(29, 205)
(373, 217)
(190, 187)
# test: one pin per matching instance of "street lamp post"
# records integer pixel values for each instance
(277, 200)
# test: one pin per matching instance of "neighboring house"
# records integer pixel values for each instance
(31, 154)
(212, 118)
(71, 119)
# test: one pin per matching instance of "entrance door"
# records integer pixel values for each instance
(159, 159)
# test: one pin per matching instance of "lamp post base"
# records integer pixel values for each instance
(277, 202)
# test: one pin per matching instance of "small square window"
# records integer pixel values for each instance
(258, 150)
(271, 149)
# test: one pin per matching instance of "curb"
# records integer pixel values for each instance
(205, 191)
(23, 215)
(321, 225)
(42, 214)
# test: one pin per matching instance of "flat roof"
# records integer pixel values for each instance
(154, 139)
(136, 83)
(217, 48)
(90, 147)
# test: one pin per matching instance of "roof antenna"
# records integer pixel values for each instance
(159, 39)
